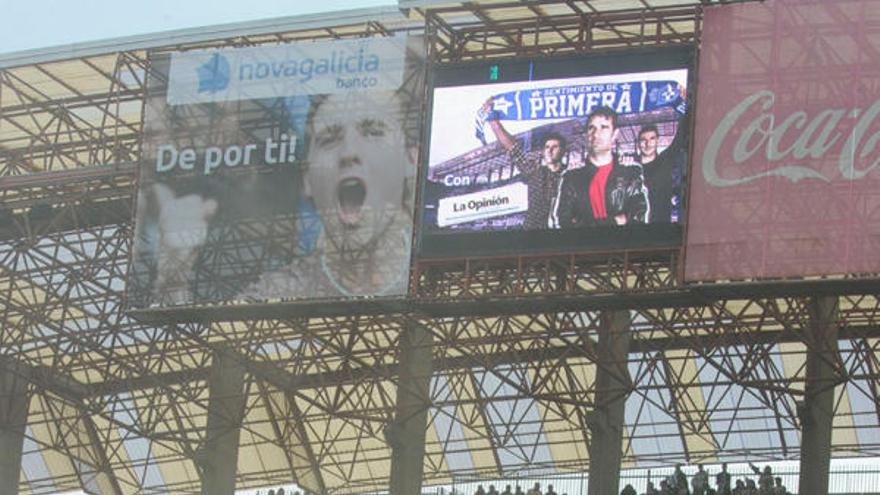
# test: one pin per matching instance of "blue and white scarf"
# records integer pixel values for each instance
(575, 101)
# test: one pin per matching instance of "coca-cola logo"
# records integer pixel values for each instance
(791, 141)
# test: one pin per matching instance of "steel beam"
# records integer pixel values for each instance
(406, 434)
(272, 372)
(613, 385)
(14, 401)
(219, 459)
(817, 410)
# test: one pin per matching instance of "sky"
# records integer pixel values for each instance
(25, 25)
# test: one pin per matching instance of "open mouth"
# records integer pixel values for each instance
(352, 193)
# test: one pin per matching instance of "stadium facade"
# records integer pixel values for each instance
(181, 325)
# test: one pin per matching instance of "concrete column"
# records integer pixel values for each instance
(14, 401)
(219, 459)
(817, 411)
(406, 434)
(613, 384)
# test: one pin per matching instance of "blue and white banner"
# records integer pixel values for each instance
(578, 100)
(211, 76)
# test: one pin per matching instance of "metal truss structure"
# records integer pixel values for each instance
(118, 405)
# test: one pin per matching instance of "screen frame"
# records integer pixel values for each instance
(439, 245)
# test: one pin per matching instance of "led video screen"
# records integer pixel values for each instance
(278, 173)
(567, 153)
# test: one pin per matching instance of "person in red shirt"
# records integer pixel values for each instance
(604, 191)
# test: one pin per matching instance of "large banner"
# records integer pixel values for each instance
(786, 142)
(571, 144)
(278, 172)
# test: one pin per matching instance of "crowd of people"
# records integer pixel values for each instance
(280, 491)
(677, 483)
(535, 490)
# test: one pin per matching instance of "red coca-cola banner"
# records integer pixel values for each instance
(785, 178)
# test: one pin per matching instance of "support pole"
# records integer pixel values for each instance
(219, 459)
(406, 434)
(613, 385)
(14, 402)
(817, 411)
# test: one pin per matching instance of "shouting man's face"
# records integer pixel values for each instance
(358, 165)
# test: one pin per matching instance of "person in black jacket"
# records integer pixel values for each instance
(604, 191)
(663, 173)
